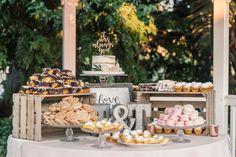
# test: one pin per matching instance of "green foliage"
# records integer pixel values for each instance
(5, 131)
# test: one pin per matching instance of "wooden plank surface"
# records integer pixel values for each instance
(30, 117)
(38, 127)
(16, 115)
(60, 95)
(23, 112)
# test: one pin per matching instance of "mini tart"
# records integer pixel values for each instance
(56, 71)
(74, 84)
(33, 83)
(46, 70)
(167, 130)
(47, 79)
(188, 131)
(198, 131)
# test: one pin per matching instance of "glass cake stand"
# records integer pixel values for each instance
(69, 133)
(101, 142)
(103, 76)
(180, 133)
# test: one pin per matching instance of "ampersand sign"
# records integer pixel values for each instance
(120, 113)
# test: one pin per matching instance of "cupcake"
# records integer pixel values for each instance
(188, 131)
(187, 87)
(195, 87)
(167, 130)
(158, 129)
(178, 87)
(198, 131)
(204, 87)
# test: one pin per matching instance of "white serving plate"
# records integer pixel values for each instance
(102, 73)
(142, 145)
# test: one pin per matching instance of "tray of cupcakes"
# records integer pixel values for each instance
(174, 86)
(53, 82)
(136, 138)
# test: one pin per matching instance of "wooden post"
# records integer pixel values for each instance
(221, 59)
(69, 34)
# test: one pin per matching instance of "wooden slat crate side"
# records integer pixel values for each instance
(23, 112)
(38, 120)
(16, 115)
(30, 117)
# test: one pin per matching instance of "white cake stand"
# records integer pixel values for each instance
(180, 134)
(103, 76)
(69, 134)
(101, 143)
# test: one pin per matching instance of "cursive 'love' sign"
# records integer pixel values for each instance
(113, 95)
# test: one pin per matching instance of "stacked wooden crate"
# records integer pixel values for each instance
(27, 114)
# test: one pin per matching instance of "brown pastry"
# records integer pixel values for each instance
(88, 108)
(60, 115)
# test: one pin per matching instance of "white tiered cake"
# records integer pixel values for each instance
(106, 63)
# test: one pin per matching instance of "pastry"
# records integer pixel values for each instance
(167, 130)
(188, 131)
(158, 129)
(198, 131)
(187, 87)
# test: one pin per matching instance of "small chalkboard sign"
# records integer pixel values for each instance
(115, 93)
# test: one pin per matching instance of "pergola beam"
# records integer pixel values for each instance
(69, 35)
(221, 60)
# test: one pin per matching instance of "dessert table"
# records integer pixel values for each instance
(200, 146)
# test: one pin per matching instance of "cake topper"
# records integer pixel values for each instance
(103, 44)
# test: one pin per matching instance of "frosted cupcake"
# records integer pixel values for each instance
(195, 87)
(204, 87)
(178, 87)
(187, 87)
(188, 131)
(158, 129)
(167, 130)
(198, 131)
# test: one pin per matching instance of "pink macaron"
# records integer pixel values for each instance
(165, 117)
(170, 124)
(174, 118)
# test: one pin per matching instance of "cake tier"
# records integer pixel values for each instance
(105, 63)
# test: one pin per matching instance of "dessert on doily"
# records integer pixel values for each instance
(174, 86)
(136, 137)
(68, 112)
(104, 63)
(102, 126)
(181, 116)
(54, 81)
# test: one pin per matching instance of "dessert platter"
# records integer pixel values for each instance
(100, 128)
(137, 138)
(181, 118)
(54, 82)
(69, 113)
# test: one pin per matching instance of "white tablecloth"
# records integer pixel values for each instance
(200, 146)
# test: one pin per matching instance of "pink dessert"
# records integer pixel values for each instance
(189, 123)
(170, 121)
(181, 124)
(174, 118)
(165, 117)
(177, 111)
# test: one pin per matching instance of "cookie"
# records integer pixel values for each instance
(88, 108)
(60, 115)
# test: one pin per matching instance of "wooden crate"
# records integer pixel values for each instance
(27, 115)
(203, 102)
